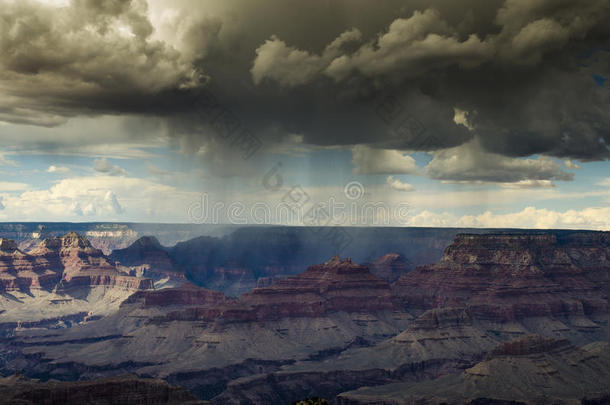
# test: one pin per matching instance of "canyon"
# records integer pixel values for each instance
(352, 333)
(63, 280)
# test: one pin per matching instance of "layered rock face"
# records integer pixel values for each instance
(64, 280)
(185, 295)
(337, 327)
(146, 257)
(389, 267)
(438, 342)
(22, 271)
(333, 286)
(529, 370)
(80, 264)
(73, 251)
(508, 277)
(125, 390)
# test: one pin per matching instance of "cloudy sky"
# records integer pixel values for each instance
(485, 113)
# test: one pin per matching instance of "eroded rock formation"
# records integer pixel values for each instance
(507, 277)
(529, 370)
(389, 267)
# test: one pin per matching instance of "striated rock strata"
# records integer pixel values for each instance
(185, 295)
(508, 277)
(333, 286)
(530, 370)
(20, 271)
(59, 279)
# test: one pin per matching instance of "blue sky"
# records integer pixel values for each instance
(90, 185)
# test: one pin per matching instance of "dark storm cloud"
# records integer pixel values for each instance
(92, 57)
(527, 87)
(522, 69)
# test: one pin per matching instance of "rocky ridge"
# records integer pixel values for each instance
(22, 271)
(389, 267)
(146, 257)
(505, 278)
(61, 262)
(333, 286)
(61, 281)
(529, 370)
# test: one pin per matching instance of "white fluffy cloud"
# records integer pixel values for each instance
(98, 198)
(596, 218)
(58, 169)
(382, 161)
(396, 184)
(528, 184)
(103, 166)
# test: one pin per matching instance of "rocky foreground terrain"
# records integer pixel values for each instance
(121, 390)
(519, 317)
(528, 370)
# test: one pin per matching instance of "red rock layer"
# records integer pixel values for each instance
(329, 287)
(185, 295)
(512, 276)
(67, 261)
(389, 267)
(75, 254)
(93, 278)
(21, 271)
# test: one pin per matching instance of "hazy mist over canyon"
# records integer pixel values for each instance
(339, 202)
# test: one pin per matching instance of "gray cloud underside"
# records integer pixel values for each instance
(324, 70)
(470, 163)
